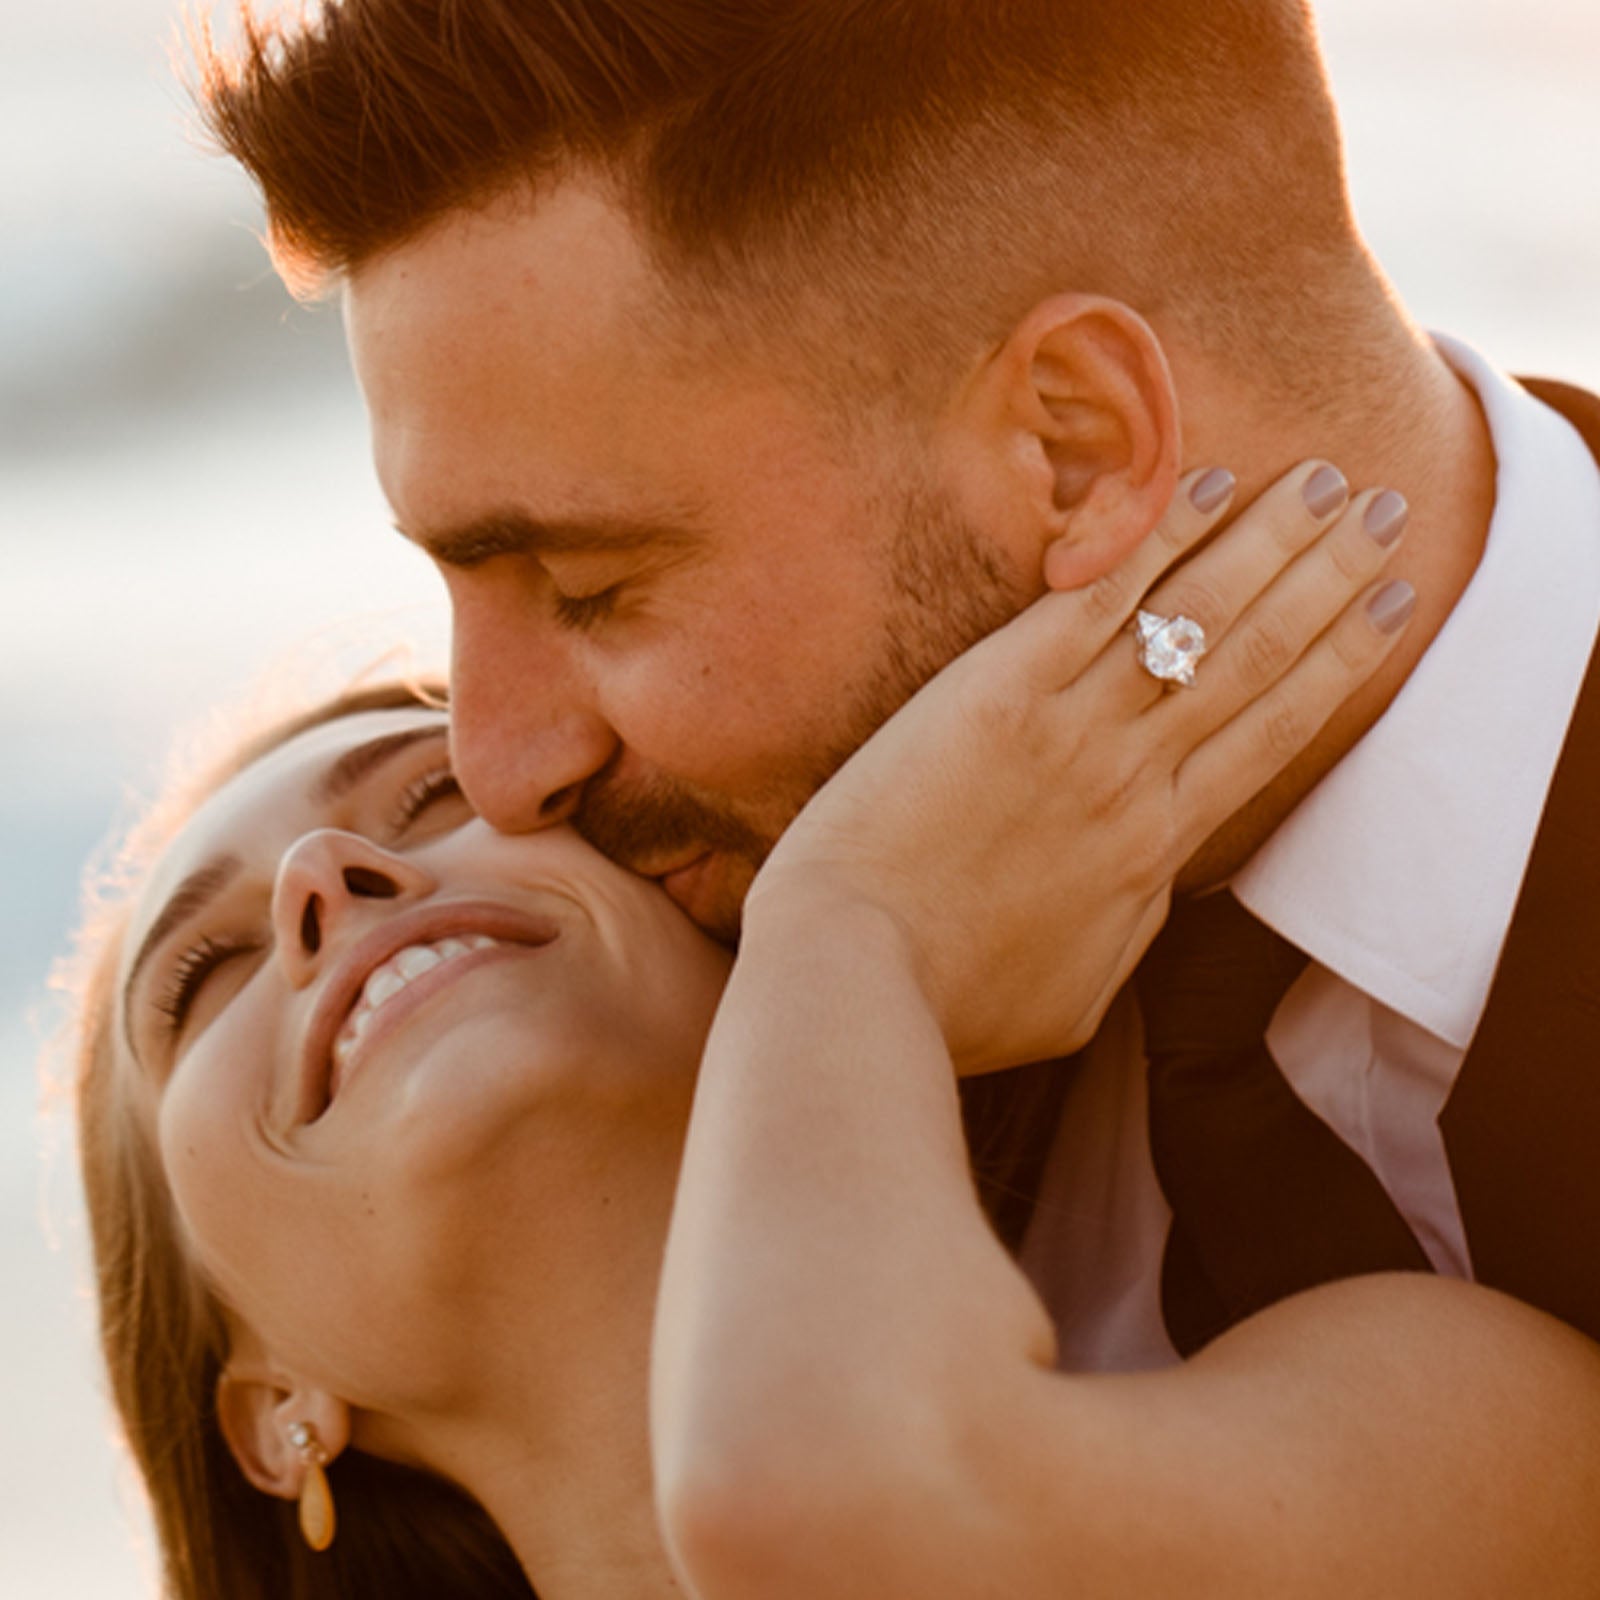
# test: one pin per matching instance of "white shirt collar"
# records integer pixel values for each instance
(1400, 871)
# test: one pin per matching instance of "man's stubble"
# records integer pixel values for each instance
(944, 588)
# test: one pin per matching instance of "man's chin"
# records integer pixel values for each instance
(711, 891)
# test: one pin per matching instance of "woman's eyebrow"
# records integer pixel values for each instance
(363, 760)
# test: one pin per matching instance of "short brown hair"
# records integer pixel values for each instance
(905, 177)
(404, 1535)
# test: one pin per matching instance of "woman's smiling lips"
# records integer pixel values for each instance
(397, 973)
(483, 932)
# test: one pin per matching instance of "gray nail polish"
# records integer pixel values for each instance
(1391, 607)
(1386, 517)
(1212, 490)
(1326, 491)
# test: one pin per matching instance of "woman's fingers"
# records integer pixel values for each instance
(1065, 630)
(1215, 586)
(1246, 753)
(1218, 584)
(1199, 504)
(1294, 609)
(953, 814)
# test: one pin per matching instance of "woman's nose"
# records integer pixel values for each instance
(326, 884)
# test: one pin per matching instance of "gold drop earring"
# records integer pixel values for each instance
(317, 1521)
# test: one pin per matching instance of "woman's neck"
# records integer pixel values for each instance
(559, 1460)
(583, 1526)
(544, 1418)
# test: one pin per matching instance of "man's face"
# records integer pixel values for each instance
(680, 597)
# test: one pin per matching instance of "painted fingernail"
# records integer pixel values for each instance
(1326, 491)
(1391, 607)
(1210, 492)
(1386, 517)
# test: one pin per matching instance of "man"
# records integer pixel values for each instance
(739, 365)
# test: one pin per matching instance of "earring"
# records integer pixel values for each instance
(317, 1522)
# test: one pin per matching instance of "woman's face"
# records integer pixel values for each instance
(394, 1061)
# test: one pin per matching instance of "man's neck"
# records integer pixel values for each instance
(1424, 434)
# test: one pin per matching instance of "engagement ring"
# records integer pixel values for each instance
(1169, 647)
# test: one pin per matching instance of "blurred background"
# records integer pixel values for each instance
(185, 499)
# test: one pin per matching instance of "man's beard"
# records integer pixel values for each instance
(945, 588)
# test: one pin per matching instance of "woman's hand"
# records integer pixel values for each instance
(1021, 819)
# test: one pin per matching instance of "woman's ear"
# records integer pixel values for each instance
(260, 1409)
(1077, 417)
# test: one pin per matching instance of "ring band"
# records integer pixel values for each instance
(1169, 647)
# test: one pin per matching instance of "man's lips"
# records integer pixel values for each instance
(679, 882)
(343, 986)
(708, 891)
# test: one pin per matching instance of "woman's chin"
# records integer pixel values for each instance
(475, 1100)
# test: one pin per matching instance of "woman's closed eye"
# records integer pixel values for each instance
(428, 805)
(176, 998)
(437, 787)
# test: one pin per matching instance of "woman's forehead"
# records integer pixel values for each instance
(289, 791)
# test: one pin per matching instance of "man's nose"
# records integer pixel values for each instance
(325, 880)
(526, 733)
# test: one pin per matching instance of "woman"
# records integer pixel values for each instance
(383, 1117)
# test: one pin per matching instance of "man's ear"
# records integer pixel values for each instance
(257, 1407)
(1076, 417)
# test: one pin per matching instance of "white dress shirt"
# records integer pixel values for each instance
(1397, 875)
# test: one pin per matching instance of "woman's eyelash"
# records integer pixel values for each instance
(192, 968)
(420, 793)
(580, 611)
(178, 994)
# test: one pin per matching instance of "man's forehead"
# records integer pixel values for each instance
(508, 366)
(546, 293)
(524, 361)
(562, 263)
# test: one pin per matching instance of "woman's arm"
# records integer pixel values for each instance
(853, 1390)
(854, 1394)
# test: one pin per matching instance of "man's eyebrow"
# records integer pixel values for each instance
(512, 532)
(362, 760)
(192, 896)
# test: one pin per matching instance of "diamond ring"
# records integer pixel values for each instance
(1169, 647)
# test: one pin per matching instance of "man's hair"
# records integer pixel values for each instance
(893, 182)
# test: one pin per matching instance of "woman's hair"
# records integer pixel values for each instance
(402, 1533)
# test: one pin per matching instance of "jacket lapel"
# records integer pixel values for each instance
(1522, 1125)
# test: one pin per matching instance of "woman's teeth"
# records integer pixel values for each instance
(387, 981)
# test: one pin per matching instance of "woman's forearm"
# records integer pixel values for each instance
(852, 1385)
(833, 1302)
